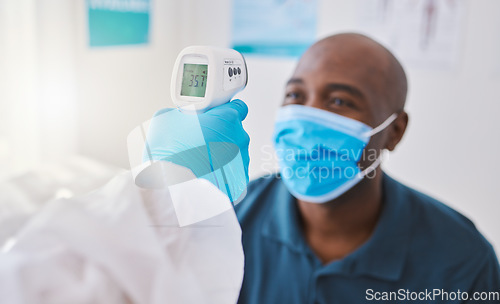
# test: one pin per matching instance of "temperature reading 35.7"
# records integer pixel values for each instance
(194, 80)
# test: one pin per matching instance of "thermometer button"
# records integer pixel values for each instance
(230, 71)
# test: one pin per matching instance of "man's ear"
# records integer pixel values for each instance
(397, 130)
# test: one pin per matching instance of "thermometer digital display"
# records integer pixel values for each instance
(194, 80)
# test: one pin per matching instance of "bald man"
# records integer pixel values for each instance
(326, 236)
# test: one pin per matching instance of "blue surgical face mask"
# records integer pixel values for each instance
(319, 151)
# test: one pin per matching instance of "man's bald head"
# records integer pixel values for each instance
(364, 60)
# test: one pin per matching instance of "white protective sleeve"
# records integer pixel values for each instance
(123, 244)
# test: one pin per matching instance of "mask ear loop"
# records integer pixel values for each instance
(382, 126)
(373, 166)
(370, 133)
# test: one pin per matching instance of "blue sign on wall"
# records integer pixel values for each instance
(118, 22)
(274, 27)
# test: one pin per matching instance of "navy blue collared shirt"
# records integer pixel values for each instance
(419, 246)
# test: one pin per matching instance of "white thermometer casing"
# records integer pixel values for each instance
(222, 71)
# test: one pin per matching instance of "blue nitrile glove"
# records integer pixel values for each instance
(213, 144)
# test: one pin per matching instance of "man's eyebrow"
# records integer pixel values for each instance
(294, 80)
(345, 87)
(332, 86)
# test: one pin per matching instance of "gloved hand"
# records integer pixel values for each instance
(213, 145)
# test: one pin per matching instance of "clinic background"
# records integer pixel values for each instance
(60, 99)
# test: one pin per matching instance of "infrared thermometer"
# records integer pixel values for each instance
(205, 77)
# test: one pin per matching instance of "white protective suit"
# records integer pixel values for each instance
(124, 244)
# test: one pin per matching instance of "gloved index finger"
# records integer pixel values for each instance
(237, 105)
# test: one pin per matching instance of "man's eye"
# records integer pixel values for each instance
(292, 95)
(337, 102)
(293, 98)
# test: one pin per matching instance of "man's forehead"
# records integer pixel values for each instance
(351, 55)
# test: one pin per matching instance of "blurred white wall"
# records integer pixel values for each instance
(37, 83)
(18, 86)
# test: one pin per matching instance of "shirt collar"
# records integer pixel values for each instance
(382, 256)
